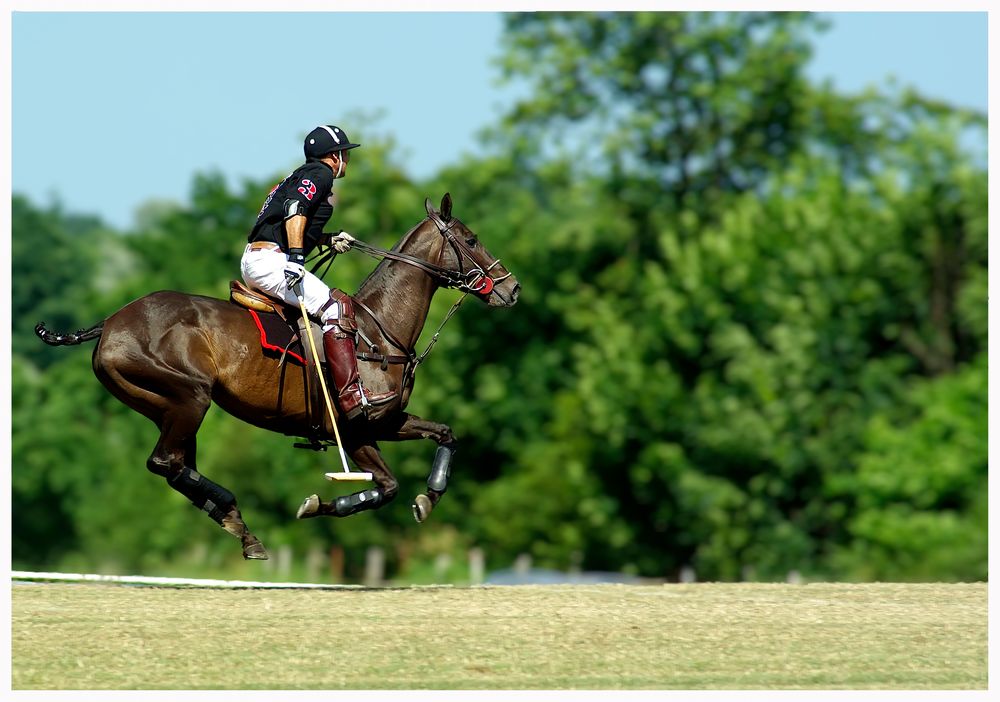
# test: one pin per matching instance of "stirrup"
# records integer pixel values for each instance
(359, 402)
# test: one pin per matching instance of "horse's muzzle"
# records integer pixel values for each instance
(500, 297)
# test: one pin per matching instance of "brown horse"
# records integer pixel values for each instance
(169, 355)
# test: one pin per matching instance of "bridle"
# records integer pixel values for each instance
(475, 280)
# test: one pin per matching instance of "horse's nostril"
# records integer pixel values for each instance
(517, 291)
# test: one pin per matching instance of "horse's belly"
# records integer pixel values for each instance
(265, 397)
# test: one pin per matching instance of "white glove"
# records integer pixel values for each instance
(294, 273)
(341, 242)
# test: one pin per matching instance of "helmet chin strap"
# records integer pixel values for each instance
(340, 164)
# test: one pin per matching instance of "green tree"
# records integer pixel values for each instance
(920, 485)
(675, 109)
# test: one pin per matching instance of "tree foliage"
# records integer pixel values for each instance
(751, 338)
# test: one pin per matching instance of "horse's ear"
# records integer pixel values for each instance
(446, 207)
(428, 206)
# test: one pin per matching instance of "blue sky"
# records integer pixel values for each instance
(110, 110)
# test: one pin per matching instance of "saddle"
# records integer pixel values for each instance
(281, 325)
(253, 300)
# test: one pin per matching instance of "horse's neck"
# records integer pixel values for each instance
(400, 294)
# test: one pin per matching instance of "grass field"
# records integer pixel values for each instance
(698, 636)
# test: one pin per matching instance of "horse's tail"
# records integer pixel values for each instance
(78, 337)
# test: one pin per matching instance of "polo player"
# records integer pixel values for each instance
(289, 226)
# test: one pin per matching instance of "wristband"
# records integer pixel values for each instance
(296, 256)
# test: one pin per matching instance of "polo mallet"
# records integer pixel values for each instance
(347, 474)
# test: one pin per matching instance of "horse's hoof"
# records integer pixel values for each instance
(254, 551)
(309, 507)
(422, 508)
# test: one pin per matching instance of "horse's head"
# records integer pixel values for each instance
(472, 268)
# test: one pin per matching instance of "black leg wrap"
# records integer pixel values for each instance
(366, 499)
(203, 493)
(441, 470)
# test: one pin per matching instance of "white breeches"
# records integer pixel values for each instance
(264, 270)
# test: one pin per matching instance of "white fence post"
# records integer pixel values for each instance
(477, 566)
(374, 566)
(442, 562)
(314, 563)
(284, 561)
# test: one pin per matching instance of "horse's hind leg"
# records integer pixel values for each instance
(174, 458)
(232, 520)
(177, 465)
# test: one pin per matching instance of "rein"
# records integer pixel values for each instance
(474, 281)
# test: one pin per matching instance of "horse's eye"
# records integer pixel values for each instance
(471, 241)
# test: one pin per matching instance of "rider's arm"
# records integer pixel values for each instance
(295, 228)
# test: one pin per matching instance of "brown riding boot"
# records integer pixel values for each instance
(343, 367)
(338, 343)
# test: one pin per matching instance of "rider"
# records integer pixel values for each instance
(289, 226)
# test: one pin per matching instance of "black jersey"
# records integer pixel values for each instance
(311, 184)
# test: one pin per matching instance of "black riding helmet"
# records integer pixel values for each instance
(324, 139)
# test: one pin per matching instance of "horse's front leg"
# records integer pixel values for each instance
(413, 427)
(368, 458)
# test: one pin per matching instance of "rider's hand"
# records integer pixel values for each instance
(341, 242)
(295, 270)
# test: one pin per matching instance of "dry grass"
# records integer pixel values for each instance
(703, 636)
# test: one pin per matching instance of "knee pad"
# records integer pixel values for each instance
(338, 314)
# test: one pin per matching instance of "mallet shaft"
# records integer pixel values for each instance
(322, 382)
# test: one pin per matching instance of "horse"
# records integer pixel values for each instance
(170, 355)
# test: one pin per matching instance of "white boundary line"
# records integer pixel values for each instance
(190, 582)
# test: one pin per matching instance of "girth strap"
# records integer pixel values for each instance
(383, 360)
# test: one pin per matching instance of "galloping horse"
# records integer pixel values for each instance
(169, 355)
